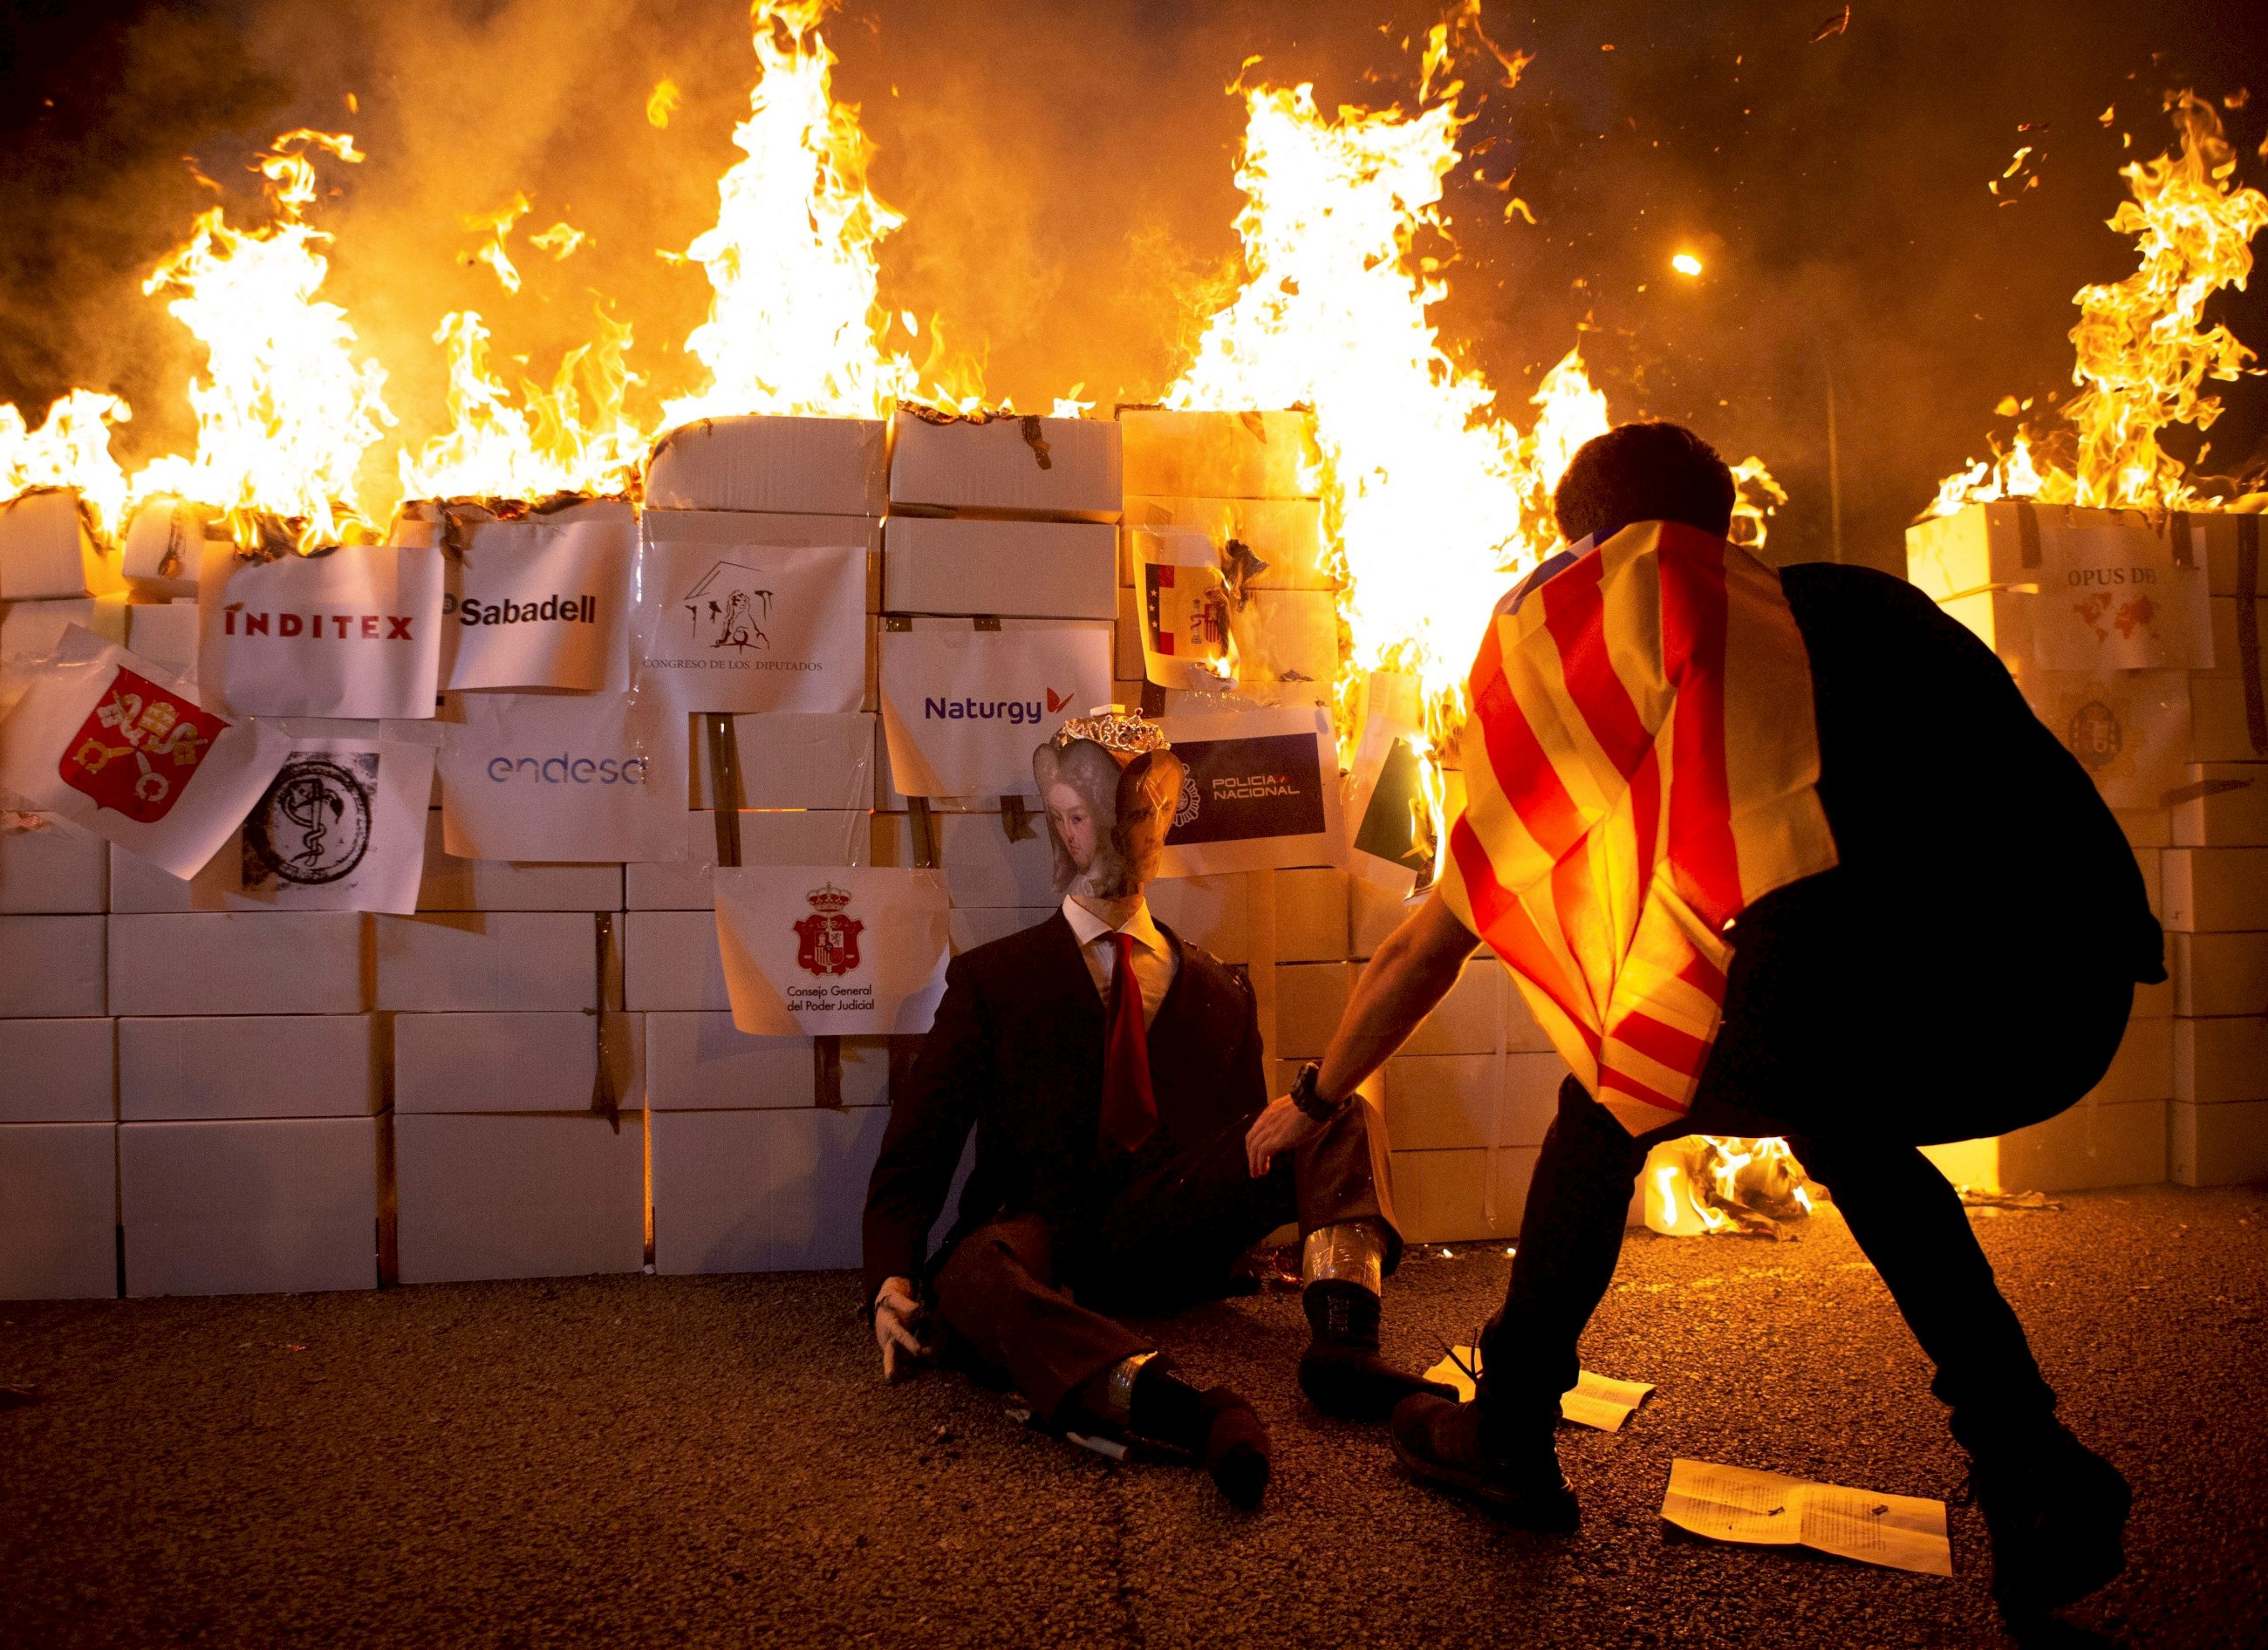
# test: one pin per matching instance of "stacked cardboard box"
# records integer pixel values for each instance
(2180, 750)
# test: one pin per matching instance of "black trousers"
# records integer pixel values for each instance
(1005, 1296)
(1860, 1054)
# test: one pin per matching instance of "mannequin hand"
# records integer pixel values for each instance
(897, 1322)
(1277, 1129)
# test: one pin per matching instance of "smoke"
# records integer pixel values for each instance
(1066, 175)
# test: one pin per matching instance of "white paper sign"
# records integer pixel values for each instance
(1260, 788)
(819, 950)
(963, 708)
(342, 827)
(1184, 608)
(566, 777)
(2114, 599)
(353, 632)
(542, 603)
(751, 627)
(118, 746)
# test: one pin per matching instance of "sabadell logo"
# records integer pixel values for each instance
(570, 610)
(566, 769)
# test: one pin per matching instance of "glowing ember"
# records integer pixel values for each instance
(2143, 349)
(1704, 1183)
(1685, 263)
(285, 411)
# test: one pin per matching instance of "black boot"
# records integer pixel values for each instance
(1443, 1442)
(1341, 1372)
(2057, 1512)
(1214, 1425)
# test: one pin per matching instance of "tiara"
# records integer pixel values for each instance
(1127, 733)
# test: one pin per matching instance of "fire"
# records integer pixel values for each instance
(1705, 1183)
(794, 325)
(1433, 501)
(70, 448)
(285, 411)
(2143, 349)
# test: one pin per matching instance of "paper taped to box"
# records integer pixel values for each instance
(1182, 596)
(113, 743)
(1260, 790)
(751, 627)
(824, 950)
(353, 632)
(541, 602)
(2130, 730)
(569, 777)
(963, 708)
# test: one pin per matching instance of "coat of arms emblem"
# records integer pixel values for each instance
(139, 748)
(827, 942)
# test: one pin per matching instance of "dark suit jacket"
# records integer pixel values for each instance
(1016, 1054)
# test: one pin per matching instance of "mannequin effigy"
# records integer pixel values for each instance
(1111, 1073)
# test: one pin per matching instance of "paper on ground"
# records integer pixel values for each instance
(1594, 1400)
(1904, 1532)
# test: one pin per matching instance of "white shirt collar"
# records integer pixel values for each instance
(1086, 927)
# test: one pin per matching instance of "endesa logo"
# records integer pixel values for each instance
(568, 769)
(237, 621)
(1016, 712)
(566, 609)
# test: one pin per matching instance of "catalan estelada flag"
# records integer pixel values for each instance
(1641, 764)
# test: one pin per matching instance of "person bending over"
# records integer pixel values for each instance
(1111, 1072)
(1769, 854)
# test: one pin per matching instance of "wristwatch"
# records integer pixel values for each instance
(1305, 1097)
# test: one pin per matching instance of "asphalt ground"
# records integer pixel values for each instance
(634, 1461)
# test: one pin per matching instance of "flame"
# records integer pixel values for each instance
(285, 411)
(497, 225)
(70, 448)
(2143, 350)
(794, 325)
(546, 445)
(1704, 1183)
(662, 103)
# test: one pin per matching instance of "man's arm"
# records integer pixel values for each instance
(1411, 972)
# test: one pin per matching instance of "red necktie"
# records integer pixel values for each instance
(1129, 1110)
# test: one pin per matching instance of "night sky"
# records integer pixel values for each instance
(1065, 170)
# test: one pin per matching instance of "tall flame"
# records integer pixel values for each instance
(285, 411)
(2144, 351)
(70, 448)
(795, 326)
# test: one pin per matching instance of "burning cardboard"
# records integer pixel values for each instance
(47, 550)
(1067, 468)
(1220, 455)
(813, 467)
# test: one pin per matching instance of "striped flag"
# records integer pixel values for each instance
(1640, 765)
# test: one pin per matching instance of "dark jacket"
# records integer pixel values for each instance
(1016, 1054)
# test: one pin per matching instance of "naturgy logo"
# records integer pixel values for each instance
(1016, 712)
(565, 769)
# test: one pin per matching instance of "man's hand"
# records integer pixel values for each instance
(897, 1322)
(1277, 1129)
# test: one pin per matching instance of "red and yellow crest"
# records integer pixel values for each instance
(827, 942)
(139, 749)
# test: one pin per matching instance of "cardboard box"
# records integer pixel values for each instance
(1468, 1020)
(2151, 863)
(1033, 569)
(521, 1196)
(2220, 728)
(1440, 1102)
(2218, 1145)
(1373, 913)
(2143, 1068)
(2227, 655)
(2221, 1059)
(2216, 891)
(700, 1062)
(1220, 455)
(788, 760)
(670, 961)
(449, 883)
(2225, 805)
(249, 1207)
(165, 542)
(2090, 1146)
(250, 1066)
(2130, 730)
(503, 961)
(778, 1190)
(971, 928)
(51, 968)
(1064, 468)
(46, 550)
(731, 529)
(824, 467)
(542, 1061)
(238, 961)
(1206, 911)
(1310, 914)
(2145, 827)
(1463, 1196)
(55, 871)
(833, 836)
(58, 1071)
(1284, 536)
(1311, 998)
(165, 634)
(2219, 973)
(982, 866)
(59, 1189)
(889, 799)
(1126, 658)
